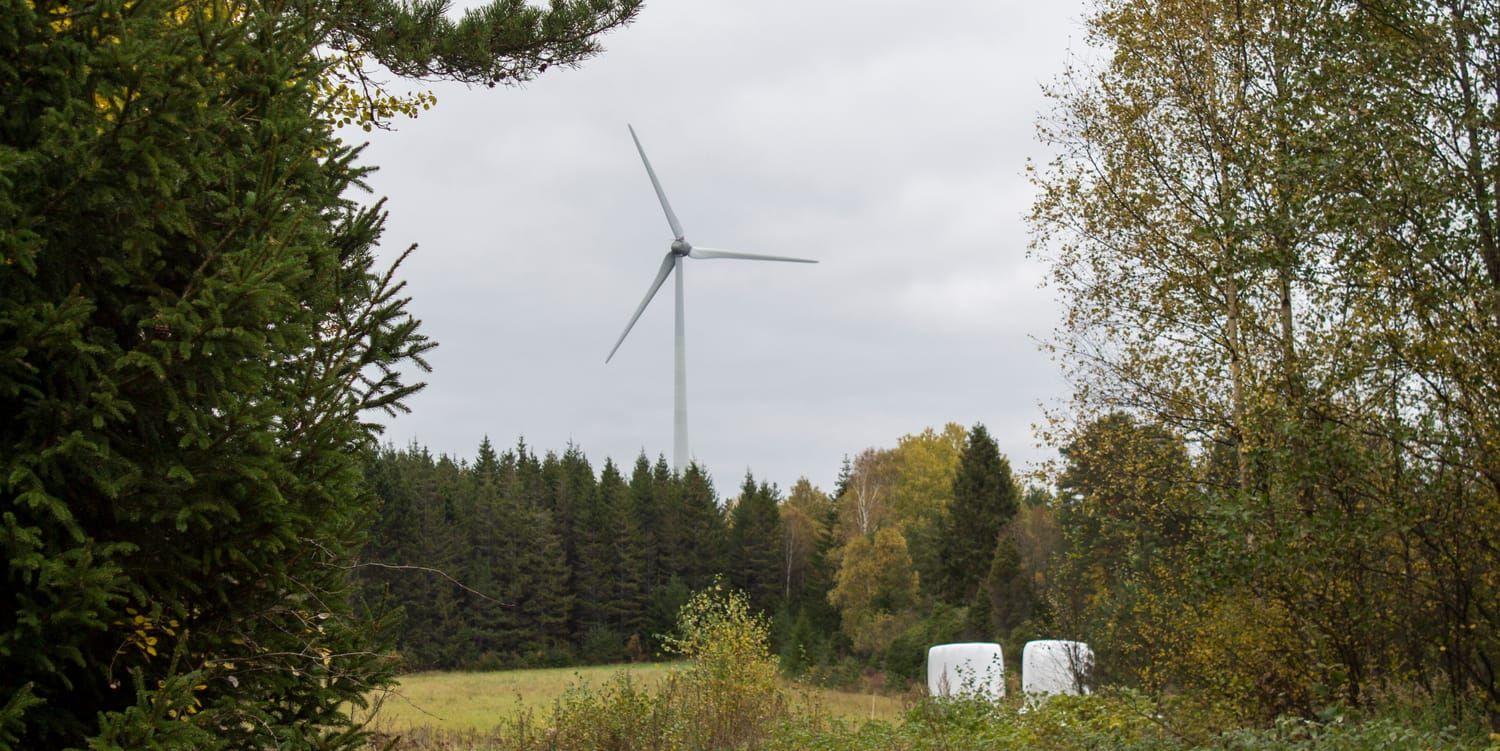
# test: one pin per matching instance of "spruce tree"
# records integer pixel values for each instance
(1012, 598)
(542, 592)
(846, 473)
(985, 498)
(674, 550)
(393, 478)
(755, 555)
(439, 617)
(574, 500)
(595, 566)
(187, 303)
(643, 509)
(487, 463)
(531, 482)
(703, 542)
(626, 551)
(193, 334)
(489, 567)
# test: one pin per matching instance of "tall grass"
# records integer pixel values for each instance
(727, 695)
(478, 701)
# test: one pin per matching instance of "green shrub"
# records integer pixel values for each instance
(728, 696)
(622, 716)
(1116, 720)
(906, 658)
(617, 715)
(602, 644)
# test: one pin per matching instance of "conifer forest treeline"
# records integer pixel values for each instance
(520, 559)
(548, 560)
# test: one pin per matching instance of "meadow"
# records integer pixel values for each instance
(727, 693)
(573, 709)
(480, 700)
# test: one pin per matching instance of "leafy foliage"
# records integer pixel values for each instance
(875, 590)
(726, 697)
(193, 333)
(1273, 226)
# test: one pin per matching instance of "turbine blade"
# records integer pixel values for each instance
(660, 194)
(661, 276)
(711, 253)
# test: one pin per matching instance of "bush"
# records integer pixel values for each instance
(548, 657)
(622, 716)
(602, 644)
(1117, 720)
(840, 673)
(727, 696)
(906, 659)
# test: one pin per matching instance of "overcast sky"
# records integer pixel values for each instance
(888, 140)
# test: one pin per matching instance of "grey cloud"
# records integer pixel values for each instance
(885, 140)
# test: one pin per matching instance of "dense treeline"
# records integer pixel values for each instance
(929, 548)
(528, 560)
(517, 559)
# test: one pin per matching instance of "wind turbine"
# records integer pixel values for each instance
(679, 250)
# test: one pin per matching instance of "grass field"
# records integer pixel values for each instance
(479, 701)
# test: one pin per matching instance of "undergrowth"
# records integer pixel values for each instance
(727, 697)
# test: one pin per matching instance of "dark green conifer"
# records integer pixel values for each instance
(644, 511)
(846, 473)
(627, 576)
(985, 498)
(193, 334)
(486, 462)
(755, 555)
(494, 632)
(674, 549)
(704, 547)
(595, 565)
(541, 591)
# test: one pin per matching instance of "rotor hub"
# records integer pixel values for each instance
(681, 247)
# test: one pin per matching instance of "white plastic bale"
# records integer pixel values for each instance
(1055, 666)
(976, 668)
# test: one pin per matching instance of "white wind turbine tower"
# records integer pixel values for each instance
(679, 250)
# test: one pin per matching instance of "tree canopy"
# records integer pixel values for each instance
(193, 334)
(1273, 229)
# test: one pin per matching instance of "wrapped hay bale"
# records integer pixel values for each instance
(975, 668)
(1055, 666)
